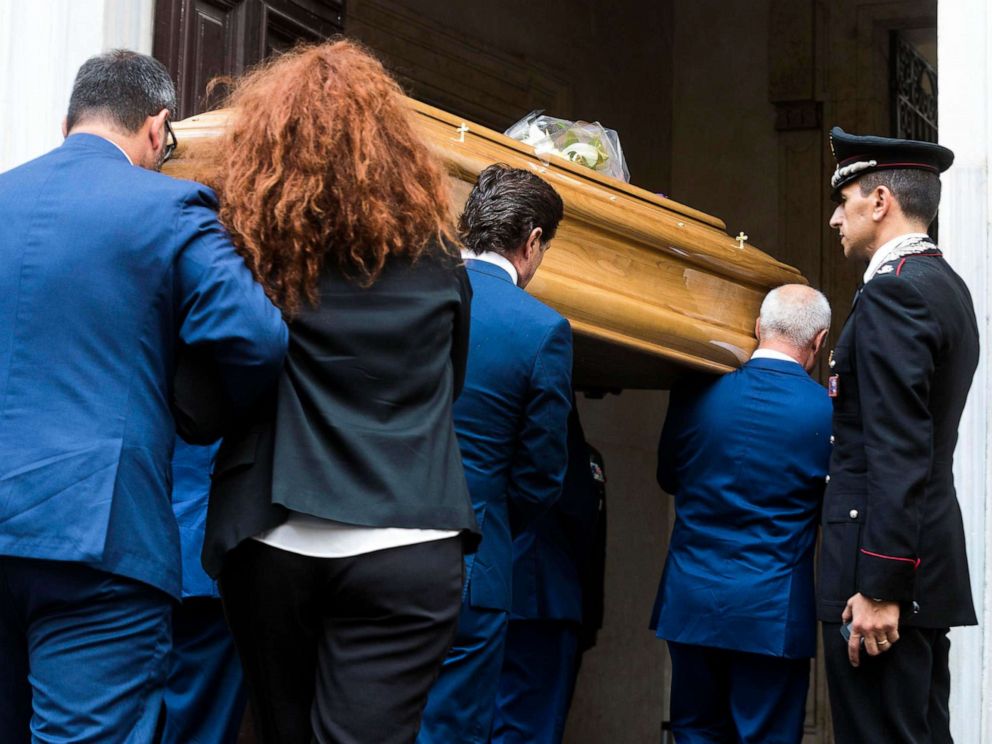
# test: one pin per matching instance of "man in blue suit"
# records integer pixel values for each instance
(104, 266)
(745, 457)
(205, 697)
(552, 562)
(511, 421)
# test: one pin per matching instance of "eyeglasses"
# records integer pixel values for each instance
(170, 143)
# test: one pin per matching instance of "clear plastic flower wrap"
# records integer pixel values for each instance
(589, 144)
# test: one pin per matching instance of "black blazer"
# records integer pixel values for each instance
(891, 525)
(359, 429)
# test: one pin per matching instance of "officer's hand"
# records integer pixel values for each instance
(877, 622)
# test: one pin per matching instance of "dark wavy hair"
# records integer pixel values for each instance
(505, 205)
(321, 163)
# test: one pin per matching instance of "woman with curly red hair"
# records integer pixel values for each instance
(339, 515)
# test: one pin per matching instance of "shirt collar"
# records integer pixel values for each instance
(883, 253)
(494, 258)
(772, 354)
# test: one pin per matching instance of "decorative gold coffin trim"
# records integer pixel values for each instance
(649, 285)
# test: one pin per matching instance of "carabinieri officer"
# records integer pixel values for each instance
(893, 562)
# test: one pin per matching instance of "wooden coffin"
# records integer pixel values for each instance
(650, 286)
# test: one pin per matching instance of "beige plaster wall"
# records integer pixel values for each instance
(621, 693)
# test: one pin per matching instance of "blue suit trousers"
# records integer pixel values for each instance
(205, 696)
(720, 695)
(84, 654)
(463, 699)
(535, 687)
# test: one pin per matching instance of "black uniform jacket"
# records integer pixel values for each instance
(891, 526)
(359, 428)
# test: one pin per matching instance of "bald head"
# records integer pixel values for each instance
(794, 319)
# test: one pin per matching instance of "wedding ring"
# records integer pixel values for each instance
(883, 642)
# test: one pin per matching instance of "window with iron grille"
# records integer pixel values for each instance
(914, 97)
(914, 93)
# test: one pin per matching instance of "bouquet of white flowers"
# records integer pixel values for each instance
(589, 144)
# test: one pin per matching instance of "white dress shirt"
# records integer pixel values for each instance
(324, 538)
(494, 258)
(772, 354)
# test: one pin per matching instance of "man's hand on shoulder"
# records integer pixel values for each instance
(876, 621)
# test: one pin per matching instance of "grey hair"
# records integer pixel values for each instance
(122, 87)
(794, 313)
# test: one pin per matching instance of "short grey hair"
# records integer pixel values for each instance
(794, 313)
(121, 87)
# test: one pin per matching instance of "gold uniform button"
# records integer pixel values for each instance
(853, 513)
(832, 364)
(827, 479)
(833, 439)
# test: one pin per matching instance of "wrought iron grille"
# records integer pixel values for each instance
(914, 93)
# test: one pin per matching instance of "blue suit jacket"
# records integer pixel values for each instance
(103, 267)
(191, 468)
(511, 422)
(552, 556)
(745, 456)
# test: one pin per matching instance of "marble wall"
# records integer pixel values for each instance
(965, 109)
(42, 45)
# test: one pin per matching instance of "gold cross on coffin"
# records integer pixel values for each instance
(741, 239)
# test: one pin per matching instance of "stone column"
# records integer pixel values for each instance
(42, 44)
(964, 36)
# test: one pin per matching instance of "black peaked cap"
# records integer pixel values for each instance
(857, 155)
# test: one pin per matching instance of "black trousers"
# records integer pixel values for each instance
(341, 650)
(898, 697)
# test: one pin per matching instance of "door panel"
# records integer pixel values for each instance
(200, 40)
(210, 50)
